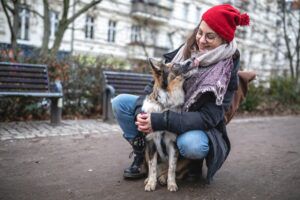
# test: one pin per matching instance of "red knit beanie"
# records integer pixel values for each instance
(223, 19)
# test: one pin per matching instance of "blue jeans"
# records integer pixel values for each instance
(191, 144)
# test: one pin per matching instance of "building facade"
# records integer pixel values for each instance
(137, 29)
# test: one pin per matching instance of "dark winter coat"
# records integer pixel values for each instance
(203, 115)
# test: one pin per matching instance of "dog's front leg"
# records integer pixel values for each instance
(152, 167)
(173, 156)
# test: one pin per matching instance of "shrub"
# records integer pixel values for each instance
(285, 91)
(253, 99)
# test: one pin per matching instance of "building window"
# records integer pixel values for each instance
(265, 34)
(89, 27)
(250, 57)
(268, 9)
(135, 33)
(24, 24)
(111, 34)
(185, 11)
(263, 59)
(53, 23)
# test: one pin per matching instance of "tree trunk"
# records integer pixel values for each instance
(46, 34)
(13, 23)
(58, 38)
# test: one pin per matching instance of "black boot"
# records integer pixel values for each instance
(136, 171)
(195, 170)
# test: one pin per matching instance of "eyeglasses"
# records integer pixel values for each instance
(209, 37)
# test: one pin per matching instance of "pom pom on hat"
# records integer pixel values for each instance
(244, 20)
(223, 19)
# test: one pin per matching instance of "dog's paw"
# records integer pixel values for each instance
(172, 187)
(150, 186)
(163, 179)
(146, 181)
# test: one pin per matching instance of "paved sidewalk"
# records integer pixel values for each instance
(34, 129)
(79, 128)
(84, 160)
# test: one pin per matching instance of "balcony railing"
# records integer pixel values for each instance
(151, 10)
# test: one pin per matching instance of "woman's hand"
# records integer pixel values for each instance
(143, 122)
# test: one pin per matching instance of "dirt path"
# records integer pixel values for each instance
(264, 164)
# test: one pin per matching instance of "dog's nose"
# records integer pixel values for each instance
(182, 67)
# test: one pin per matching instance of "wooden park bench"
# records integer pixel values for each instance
(31, 80)
(115, 83)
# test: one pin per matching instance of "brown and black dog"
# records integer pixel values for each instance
(161, 151)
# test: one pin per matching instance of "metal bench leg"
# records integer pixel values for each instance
(56, 110)
(107, 107)
(110, 114)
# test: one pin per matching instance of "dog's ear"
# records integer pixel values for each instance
(155, 65)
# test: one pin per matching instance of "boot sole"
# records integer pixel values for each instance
(133, 176)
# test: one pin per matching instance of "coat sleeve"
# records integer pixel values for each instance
(207, 117)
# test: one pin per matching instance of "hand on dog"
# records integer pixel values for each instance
(143, 122)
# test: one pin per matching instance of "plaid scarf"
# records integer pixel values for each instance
(206, 72)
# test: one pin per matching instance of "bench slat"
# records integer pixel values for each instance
(118, 73)
(23, 65)
(5, 87)
(25, 75)
(23, 80)
(128, 79)
(127, 91)
(122, 86)
(128, 82)
(23, 69)
(31, 94)
(128, 76)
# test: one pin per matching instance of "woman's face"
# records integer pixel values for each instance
(206, 38)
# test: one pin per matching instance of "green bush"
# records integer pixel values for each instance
(23, 108)
(253, 99)
(284, 90)
(281, 97)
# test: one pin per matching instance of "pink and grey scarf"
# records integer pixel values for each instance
(208, 72)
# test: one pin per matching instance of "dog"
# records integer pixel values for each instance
(167, 94)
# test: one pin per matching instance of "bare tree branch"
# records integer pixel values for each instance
(82, 10)
(8, 7)
(46, 34)
(65, 21)
(36, 12)
(5, 8)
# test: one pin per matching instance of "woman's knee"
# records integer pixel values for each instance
(193, 144)
(116, 102)
(123, 103)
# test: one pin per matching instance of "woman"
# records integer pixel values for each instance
(208, 93)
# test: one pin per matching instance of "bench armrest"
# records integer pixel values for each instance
(56, 87)
(110, 89)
